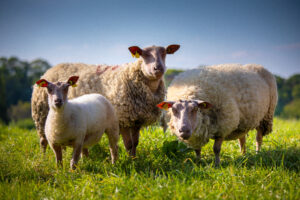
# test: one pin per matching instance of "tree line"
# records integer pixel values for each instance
(17, 78)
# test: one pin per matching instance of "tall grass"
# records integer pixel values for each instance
(163, 169)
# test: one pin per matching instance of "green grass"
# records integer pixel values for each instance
(163, 169)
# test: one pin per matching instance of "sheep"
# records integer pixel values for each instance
(134, 89)
(221, 102)
(79, 122)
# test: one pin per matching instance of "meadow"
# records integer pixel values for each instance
(163, 168)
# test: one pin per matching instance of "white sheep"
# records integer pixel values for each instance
(79, 122)
(134, 89)
(221, 102)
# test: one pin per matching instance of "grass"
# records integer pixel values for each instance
(163, 169)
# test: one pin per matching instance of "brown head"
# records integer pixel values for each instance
(154, 58)
(58, 91)
(185, 115)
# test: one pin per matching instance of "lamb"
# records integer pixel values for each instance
(79, 122)
(134, 89)
(221, 102)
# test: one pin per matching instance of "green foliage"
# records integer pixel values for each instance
(292, 110)
(26, 123)
(170, 74)
(16, 80)
(154, 174)
(20, 111)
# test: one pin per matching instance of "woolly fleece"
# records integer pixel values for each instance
(243, 98)
(124, 86)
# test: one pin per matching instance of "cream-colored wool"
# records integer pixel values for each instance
(242, 98)
(124, 86)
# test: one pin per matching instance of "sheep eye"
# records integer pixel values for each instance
(194, 109)
(174, 111)
(49, 90)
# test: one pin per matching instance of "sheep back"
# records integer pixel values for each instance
(124, 86)
(242, 98)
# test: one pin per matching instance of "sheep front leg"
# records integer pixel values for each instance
(77, 149)
(58, 154)
(85, 152)
(242, 142)
(217, 149)
(43, 143)
(131, 139)
(113, 138)
(259, 137)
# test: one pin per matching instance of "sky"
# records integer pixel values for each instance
(265, 32)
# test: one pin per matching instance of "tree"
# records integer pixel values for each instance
(17, 78)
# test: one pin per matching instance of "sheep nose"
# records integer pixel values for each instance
(185, 132)
(58, 102)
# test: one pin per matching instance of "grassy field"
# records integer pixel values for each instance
(163, 169)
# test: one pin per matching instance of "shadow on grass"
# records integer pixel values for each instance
(287, 158)
(183, 160)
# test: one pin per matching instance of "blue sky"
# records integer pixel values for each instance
(266, 32)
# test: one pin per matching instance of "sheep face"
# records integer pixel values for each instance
(58, 91)
(186, 116)
(154, 58)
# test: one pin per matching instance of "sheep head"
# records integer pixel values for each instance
(185, 115)
(58, 91)
(154, 58)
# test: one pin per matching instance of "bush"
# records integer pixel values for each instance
(292, 110)
(20, 111)
(24, 123)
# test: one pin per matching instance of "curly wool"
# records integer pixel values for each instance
(243, 98)
(125, 86)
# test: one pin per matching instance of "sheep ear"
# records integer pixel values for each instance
(135, 51)
(72, 81)
(165, 105)
(172, 48)
(203, 104)
(42, 83)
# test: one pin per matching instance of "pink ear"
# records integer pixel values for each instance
(42, 83)
(165, 105)
(72, 80)
(135, 49)
(172, 48)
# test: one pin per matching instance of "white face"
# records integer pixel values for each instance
(57, 94)
(185, 118)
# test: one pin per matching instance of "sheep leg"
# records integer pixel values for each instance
(135, 139)
(77, 149)
(131, 139)
(242, 142)
(217, 149)
(126, 135)
(43, 143)
(85, 152)
(58, 154)
(198, 153)
(113, 138)
(259, 137)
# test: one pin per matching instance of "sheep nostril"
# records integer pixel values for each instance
(185, 133)
(58, 102)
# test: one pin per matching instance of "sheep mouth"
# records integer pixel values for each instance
(58, 105)
(158, 74)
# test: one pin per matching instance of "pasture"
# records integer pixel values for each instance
(163, 168)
